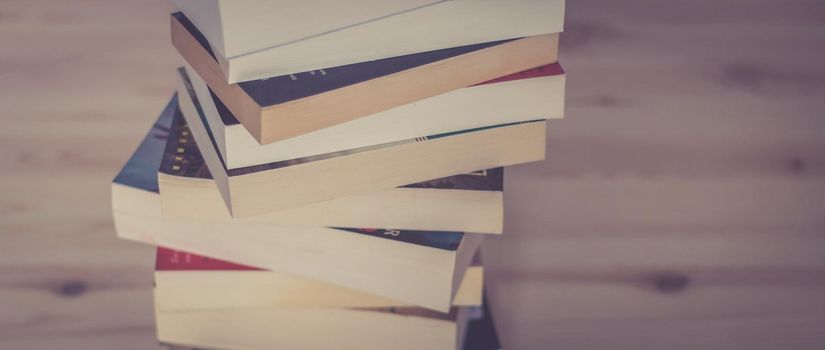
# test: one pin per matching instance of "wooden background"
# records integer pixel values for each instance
(682, 204)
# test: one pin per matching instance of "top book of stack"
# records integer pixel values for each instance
(255, 39)
(364, 57)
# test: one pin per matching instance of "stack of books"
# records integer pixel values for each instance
(326, 172)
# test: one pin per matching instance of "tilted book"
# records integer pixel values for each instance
(530, 94)
(421, 268)
(284, 106)
(291, 183)
(259, 39)
(225, 285)
(470, 202)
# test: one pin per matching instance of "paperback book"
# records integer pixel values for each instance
(285, 106)
(421, 268)
(280, 185)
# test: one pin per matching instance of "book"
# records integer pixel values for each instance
(280, 185)
(248, 26)
(225, 285)
(285, 106)
(471, 202)
(418, 267)
(473, 327)
(261, 39)
(300, 328)
(480, 332)
(531, 94)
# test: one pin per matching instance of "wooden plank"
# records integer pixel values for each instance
(604, 313)
(79, 84)
(70, 318)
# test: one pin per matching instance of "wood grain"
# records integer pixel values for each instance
(680, 206)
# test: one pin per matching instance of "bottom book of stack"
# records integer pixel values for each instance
(207, 303)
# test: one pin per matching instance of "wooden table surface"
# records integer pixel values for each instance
(682, 204)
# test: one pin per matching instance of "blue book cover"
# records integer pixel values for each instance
(141, 169)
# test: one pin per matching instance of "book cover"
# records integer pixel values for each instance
(174, 260)
(140, 171)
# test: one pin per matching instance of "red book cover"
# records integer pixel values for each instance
(175, 260)
(543, 71)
